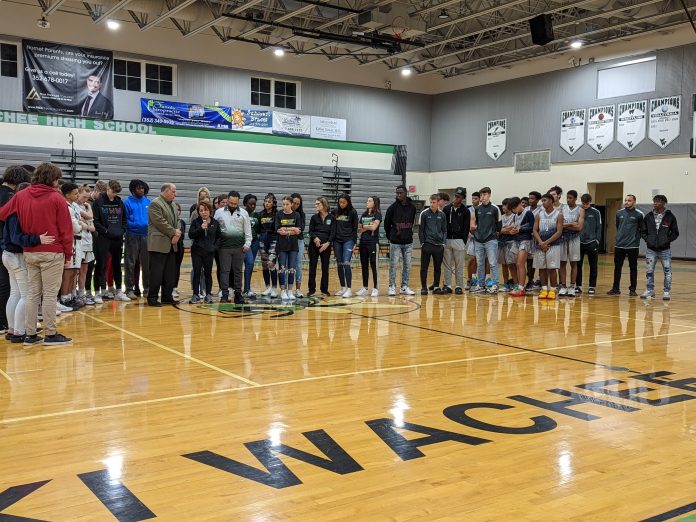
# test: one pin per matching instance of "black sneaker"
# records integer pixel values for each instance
(16, 339)
(56, 340)
(614, 291)
(31, 340)
(224, 299)
(458, 290)
(438, 291)
(424, 291)
(632, 293)
(446, 289)
(238, 299)
(431, 287)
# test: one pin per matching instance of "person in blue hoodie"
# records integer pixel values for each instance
(136, 235)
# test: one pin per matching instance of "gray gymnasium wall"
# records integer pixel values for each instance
(533, 108)
(373, 115)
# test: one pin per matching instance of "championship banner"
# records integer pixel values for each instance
(496, 138)
(600, 127)
(252, 120)
(572, 130)
(328, 128)
(291, 124)
(664, 120)
(64, 79)
(630, 129)
(184, 114)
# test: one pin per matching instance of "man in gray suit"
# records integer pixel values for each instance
(162, 237)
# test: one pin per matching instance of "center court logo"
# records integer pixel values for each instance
(274, 308)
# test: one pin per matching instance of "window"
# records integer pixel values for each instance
(159, 79)
(127, 75)
(275, 93)
(155, 78)
(8, 60)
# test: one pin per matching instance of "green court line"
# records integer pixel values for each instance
(690, 518)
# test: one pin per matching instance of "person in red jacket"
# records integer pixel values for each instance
(42, 210)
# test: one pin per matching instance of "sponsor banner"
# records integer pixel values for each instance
(693, 134)
(572, 130)
(69, 80)
(252, 120)
(600, 127)
(630, 128)
(328, 128)
(665, 113)
(180, 114)
(292, 124)
(496, 138)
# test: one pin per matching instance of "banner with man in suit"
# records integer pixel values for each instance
(64, 79)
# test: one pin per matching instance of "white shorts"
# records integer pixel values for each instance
(523, 244)
(471, 247)
(570, 250)
(88, 257)
(551, 259)
(76, 259)
(506, 253)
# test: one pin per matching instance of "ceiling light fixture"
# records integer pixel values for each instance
(406, 71)
(577, 44)
(113, 24)
(444, 15)
(279, 52)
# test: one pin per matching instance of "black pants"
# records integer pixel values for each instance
(102, 248)
(437, 252)
(202, 260)
(591, 251)
(162, 273)
(88, 276)
(619, 255)
(179, 257)
(314, 257)
(4, 293)
(530, 269)
(368, 258)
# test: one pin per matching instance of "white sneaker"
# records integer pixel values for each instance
(375, 293)
(98, 299)
(347, 293)
(298, 293)
(648, 294)
(340, 292)
(251, 294)
(175, 293)
(666, 296)
(406, 290)
(107, 295)
(284, 295)
(267, 291)
(362, 292)
(220, 293)
(571, 291)
(120, 296)
(60, 306)
(274, 293)
(291, 296)
(391, 291)
(563, 291)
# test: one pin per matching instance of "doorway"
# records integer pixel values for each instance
(607, 197)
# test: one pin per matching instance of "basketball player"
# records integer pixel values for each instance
(573, 222)
(548, 227)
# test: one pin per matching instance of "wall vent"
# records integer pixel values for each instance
(535, 161)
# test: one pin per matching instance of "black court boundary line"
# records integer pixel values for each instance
(496, 343)
(683, 510)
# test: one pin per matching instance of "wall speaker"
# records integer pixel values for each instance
(541, 28)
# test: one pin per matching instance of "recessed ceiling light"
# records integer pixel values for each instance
(577, 44)
(113, 24)
(444, 15)
(406, 71)
(279, 52)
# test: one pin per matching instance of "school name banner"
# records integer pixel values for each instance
(630, 129)
(664, 121)
(181, 114)
(600, 127)
(68, 80)
(572, 130)
(496, 138)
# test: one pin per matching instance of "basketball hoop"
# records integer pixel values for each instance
(398, 27)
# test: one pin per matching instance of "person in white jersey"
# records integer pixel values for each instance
(548, 227)
(573, 221)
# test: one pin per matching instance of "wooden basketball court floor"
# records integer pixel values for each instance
(422, 408)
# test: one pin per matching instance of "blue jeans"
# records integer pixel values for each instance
(300, 258)
(651, 258)
(344, 252)
(288, 262)
(489, 250)
(397, 252)
(249, 259)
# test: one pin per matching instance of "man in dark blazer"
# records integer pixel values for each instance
(95, 104)
(162, 237)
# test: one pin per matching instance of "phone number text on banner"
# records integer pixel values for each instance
(184, 114)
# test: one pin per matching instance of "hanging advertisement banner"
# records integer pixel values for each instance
(600, 127)
(291, 124)
(572, 130)
(496, 138)
(252, 120)
(64, 79)
(181, 114)
(665, 114)
(630, 128)
(328, 128)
